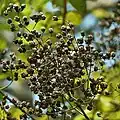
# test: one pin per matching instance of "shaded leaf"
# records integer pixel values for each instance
(80, 5)
(38, 4)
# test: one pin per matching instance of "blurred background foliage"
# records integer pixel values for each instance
(85, 15)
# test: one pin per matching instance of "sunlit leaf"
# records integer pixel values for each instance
(15, 112)
(44, 117)
(2, 114)
(100, 13)
(74, 17)
(38, 4)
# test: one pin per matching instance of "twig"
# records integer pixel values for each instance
(35, 25)
(4, 87)
(65, 11)
(72, 105)
(78, 105)
(17, 106)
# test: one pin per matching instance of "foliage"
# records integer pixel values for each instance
(66, 72)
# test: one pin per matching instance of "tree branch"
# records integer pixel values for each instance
(65, 11)
(16, 105)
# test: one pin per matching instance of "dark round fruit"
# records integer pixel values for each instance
(55, 18)
(9, 21)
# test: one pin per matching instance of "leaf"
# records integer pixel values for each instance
(100, 13)
(15, 112)
(44, 117)
(38, 5)
(3, 44)
(3, 26)
(74, 17)
(80, 5)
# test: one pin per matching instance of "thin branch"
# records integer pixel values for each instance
(35, 25)
(65, 11)
(72, 105)
(79, 106)
(4, 87)
(16, 105)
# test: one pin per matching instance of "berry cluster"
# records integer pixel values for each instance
(110, 39)
(54, 71)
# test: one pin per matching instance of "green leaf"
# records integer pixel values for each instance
(38, 5)
(101, 13)
(15, 112)
(74, 17)
(79, 5)
(44, 117)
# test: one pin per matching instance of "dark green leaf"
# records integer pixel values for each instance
(79, 5)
